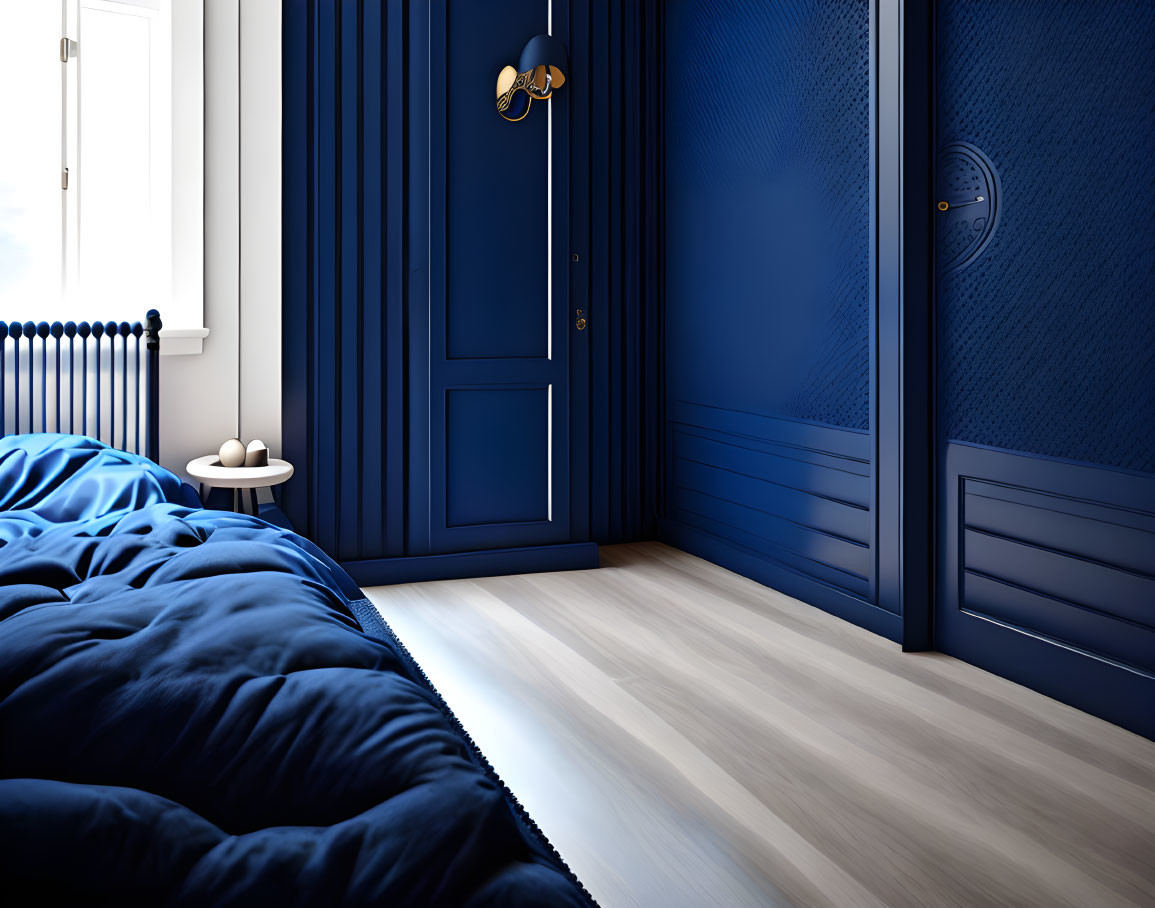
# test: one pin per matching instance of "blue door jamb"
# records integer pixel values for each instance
(902, 365)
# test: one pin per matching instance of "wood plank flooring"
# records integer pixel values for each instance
(687, 737)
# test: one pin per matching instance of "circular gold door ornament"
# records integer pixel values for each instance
(967, 187)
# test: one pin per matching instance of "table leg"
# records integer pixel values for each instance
(253, 502)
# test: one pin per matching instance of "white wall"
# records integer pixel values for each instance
(208, 397)
(261, 222)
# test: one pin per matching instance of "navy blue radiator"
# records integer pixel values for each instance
(88, 378)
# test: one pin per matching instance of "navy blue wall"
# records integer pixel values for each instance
(768, 298)
(1046, 341)
(823, 387)
(768, 172)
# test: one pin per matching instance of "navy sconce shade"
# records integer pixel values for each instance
(540, 70)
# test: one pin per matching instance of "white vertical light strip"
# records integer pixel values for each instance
(549, 451)
(549, 282)
(549, 209)
(240, 218)
(260, 188)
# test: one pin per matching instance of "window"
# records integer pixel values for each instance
(101, 166)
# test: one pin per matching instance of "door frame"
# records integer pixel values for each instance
(426, 64)
(905, 323)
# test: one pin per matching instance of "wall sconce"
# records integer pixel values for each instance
(539, 72)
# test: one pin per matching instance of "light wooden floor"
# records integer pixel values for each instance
(687, 737)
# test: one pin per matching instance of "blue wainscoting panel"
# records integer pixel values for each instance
(785, 502)
(1048, 577)
(769, 296)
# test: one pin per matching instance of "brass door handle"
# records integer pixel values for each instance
(580, 324)
(945, 206)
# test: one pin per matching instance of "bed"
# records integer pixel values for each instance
(199, 708)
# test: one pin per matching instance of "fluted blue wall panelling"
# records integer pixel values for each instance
(345, 155)
(1046, 348)
(420, 382)
(617, 239)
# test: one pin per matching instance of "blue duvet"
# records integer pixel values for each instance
(191, 714)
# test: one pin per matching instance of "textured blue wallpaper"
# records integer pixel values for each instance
(768, 204)
(1047, 341)
(767, 302)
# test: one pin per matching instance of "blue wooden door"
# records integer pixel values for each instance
(493, 402)
(1046, 348)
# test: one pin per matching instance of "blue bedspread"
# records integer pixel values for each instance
(191, 714)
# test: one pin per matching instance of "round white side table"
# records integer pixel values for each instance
(208, 471)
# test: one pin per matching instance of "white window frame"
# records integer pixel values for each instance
(187, 330)
(180, 137)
